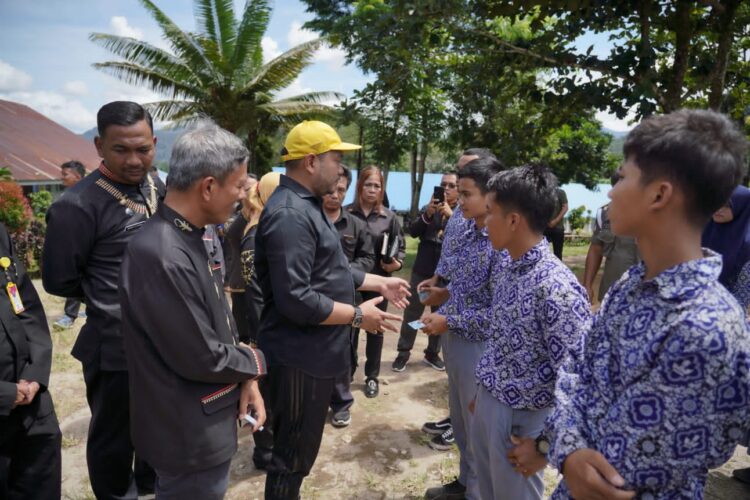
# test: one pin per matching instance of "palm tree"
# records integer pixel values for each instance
(218, 72)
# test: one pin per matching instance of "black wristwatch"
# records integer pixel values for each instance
(357, 320)
(542, 445)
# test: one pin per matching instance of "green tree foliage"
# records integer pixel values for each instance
(15, 212)
(218, 72)
(577, 219)
(40, 202)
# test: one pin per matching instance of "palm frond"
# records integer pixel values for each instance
(314, 97)
(184, 46)
(281, 71)
(205, 20)
(171, 109)
(300, 108)
(217, 22)
(158, 82)
(250, 33)
(146, 55)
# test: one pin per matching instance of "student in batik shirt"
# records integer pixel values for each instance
(662, 395)
(465, 318)
(540, 315)
(437, 291)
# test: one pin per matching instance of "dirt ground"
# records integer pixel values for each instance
(381, 455)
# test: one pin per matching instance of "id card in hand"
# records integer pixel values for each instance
(416, 324)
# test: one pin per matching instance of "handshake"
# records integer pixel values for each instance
(25, 392)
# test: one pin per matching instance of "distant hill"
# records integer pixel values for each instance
(618, 139)
(165, 139)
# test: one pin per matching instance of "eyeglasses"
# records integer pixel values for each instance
(448, 185)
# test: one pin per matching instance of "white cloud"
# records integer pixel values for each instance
(611, 122)
(67, 112)
(297, 34)
(270, 48)
(295, 88)
(334, 57)
(13, 79)
(121, 28)
(76, 87)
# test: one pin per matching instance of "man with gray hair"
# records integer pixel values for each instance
(193, 378)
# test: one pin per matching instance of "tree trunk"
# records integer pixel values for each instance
(723, 49)
(252, 144)
(418, 164)
(361, 152)
(683, 33)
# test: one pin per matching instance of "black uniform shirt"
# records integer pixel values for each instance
(430, 233)
(182, 359)
(25, 344)
(302, 270)
(88, 228)
(379, 223)
(356, 241)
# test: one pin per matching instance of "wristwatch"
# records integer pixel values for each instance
(542, 445)
(357, 320)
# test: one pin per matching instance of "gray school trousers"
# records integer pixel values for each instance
(491, 428)
(461, 358)
(207, 484)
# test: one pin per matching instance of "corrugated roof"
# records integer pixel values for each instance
(34, 147)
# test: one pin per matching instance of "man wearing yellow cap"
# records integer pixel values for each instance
(308, 309)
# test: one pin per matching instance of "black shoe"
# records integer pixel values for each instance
(341, 418)
(434, 361)
(371, 387)
(451, 491)
(437, 428)
(444, 441)
(742, 475)
(399, 364)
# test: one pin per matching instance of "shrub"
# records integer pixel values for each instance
(576, 219)
(15, 212)
(40, 202)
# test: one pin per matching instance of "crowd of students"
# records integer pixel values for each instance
(639, 399)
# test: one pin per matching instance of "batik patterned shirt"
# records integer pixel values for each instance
(456, 226)
(540, 316)
(741, 288)
(468, 310)
(663, 389)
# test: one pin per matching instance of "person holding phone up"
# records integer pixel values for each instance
(390, 249)
(429, 227)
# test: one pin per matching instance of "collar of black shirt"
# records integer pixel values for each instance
(296, 187)
(354, 207)
(180, 223)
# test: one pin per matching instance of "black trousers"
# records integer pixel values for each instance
(373, 343)
(557, 238)
(109, 450)
(263, 440)
(413, 312)
(299, 405)
(72, 306)
(30, 464)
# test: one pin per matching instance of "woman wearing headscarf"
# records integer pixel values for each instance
(256, 200)
(253, 296)
(728, 233)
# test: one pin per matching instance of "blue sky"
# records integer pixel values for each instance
(46, 57)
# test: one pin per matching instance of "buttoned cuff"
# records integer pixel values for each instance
(563, 444)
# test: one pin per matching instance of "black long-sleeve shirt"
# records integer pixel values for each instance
(25, 344)
(378, 223)
(356, 241)
(182, 359)
(302, 271)
(429, 230)
(88, 228)
(232, 246)
(253, 295)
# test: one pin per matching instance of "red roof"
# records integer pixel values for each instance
(34, 147)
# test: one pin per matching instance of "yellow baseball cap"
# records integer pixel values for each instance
(313, 137)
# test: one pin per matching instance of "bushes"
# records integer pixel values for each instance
(40, 202)
(15, 211)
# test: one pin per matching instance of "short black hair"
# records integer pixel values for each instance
(702, 152)
(75, 165)
(348, 175)
(480, 152)
(529, 189)
(252, 176)
(480, 171)
(121, 113)
(450, 172)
